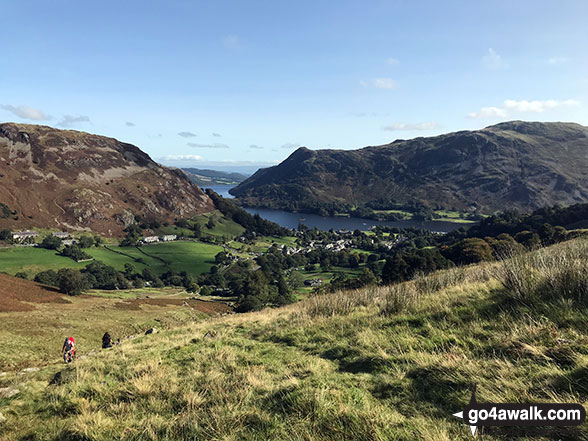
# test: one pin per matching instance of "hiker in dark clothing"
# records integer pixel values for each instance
(106, 341)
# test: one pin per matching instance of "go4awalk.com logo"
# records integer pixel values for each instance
(504, 414)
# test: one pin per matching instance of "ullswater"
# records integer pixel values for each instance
(292, 220)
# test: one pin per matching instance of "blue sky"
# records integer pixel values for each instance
(231, 84)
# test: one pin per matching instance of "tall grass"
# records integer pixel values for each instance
(559, 273)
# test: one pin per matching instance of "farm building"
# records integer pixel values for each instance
(21, 235)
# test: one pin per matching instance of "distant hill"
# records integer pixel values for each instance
(524, 165)
(205, 177)
(73, 181)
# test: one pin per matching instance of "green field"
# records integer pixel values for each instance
(224, 227)
(192, 257)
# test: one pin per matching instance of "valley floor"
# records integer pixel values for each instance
(381, 363)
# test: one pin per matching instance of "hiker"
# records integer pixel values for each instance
(69, 349)
(106, 341)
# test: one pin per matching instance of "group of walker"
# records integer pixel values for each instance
(69, 347)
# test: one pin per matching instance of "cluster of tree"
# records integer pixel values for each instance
(75, 252)
(405, 264)
(98, 275)
(501, 236)
(267, 286)
(253, 224)
(549, 223)
(134, 233)
(5, 235)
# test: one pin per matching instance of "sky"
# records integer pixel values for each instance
(237, 85)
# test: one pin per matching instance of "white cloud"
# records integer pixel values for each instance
(26, 112)
(511, 107)
(70, 120)
(489, 112)
(380, 83)
(492, 60)
(412, 126)
(181, 158)
(558, 60)
(187, 134)
(290, 145)
(216, 145)
(393, 61)
(232, 42)
(537, 106)
(255, 146)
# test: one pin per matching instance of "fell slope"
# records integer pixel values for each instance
(516, 164)
(72, 180)
(386, 363)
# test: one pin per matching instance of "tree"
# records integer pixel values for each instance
(182, 223)
(22, 275)
(529, 239)
(86, 242)
(75, 252)
(51, 242)
(250, 303)
(71, 282)
(97, 241)
(48, 277)
(134, 233)
(5, 235)
(395, 270)
(220, 258)
(367, 278)
(295, 280)
(157, 283)
(129, 269)
(148, 275)
(106, 276)
(206, 291)
(211, 223)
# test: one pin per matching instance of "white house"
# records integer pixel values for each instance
(168, 237)
(20, 235)
(151, 239)
(61, 234)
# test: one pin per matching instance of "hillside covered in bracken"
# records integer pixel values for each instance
(72, 180)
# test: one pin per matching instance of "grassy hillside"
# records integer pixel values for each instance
(388, 363)
(32, 333)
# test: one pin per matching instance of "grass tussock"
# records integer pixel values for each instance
(384, 363)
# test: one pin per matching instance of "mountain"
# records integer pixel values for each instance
(515, 164)
(206, 177)
(76, 181)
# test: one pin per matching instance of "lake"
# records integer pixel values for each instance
(291, 220)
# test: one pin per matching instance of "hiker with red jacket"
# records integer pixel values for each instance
(69, 350)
